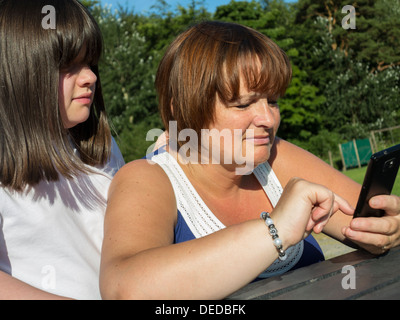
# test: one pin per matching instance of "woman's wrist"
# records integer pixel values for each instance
(273, 232)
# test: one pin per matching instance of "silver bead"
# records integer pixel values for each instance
(268, 221)
(273, 231)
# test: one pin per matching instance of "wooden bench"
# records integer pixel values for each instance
(373, 278)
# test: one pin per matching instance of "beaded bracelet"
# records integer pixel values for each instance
(274, 234)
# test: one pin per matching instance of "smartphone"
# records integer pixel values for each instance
(379, 180)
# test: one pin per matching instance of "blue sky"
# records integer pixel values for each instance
(143, 6)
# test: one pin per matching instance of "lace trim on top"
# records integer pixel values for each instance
(203, 222)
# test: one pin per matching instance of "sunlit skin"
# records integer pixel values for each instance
(76, 92)
(257, 117)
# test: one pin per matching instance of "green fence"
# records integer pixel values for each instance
(355, 153)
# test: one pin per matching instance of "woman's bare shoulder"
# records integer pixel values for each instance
(142, 177)
(140, 171)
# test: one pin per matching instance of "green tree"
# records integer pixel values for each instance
(299, 109)
(90, 4)
(359, 98)
(378, 32)
(127, 73)
(375, 39)
(354, 69)
(162, 25)
(271, 18)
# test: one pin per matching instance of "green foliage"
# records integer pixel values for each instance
(299, 108)
(345, 82)
(359, 97)
(90, 4)
(357, 71)
(127, 72)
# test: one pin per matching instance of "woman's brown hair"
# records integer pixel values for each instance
(209, 59)
(34, 145)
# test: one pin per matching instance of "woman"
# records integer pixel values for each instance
(57, 156)
(183, 225)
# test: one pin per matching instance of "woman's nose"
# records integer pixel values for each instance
(264, 114)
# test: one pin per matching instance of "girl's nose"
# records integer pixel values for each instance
(87, 78)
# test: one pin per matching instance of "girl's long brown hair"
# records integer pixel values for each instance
(34, 145)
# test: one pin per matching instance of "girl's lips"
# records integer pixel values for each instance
(84, 99)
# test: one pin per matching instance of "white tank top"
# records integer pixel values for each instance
(201, 221)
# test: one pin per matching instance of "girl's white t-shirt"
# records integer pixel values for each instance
(51, 234)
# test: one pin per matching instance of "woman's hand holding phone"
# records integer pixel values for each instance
(376, 223)
(377, 234)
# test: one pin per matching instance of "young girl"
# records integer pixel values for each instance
(57, 156)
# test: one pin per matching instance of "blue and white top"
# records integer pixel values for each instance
(195, 219)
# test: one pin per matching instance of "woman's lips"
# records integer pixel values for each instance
(259, 140)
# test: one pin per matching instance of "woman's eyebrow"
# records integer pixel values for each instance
(250, 97)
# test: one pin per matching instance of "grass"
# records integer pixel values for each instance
(359, 173)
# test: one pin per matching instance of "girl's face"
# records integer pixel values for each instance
(76, 93)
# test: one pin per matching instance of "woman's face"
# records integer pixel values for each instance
(253, 121)
(76, 94)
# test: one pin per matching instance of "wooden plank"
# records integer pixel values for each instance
(388, 292)
(386, 129)
(356, 151)
(374, 276)
(272, 287)
(371, 276)
(342, 156)
(373, 140)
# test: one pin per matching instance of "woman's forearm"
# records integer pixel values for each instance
(207, 268)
